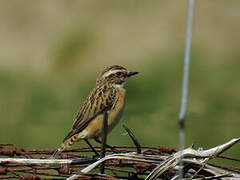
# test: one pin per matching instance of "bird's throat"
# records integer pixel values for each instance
(121, 85)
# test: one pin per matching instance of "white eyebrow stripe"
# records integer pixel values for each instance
(111, 72)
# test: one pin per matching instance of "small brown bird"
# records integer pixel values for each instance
(107, 97)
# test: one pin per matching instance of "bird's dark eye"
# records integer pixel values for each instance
(119, 73)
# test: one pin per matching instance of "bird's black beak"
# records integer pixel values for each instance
(132, 74)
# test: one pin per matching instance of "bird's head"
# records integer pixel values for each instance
(116, 75)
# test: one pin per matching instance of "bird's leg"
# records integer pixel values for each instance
(108, 146)
(92, 148)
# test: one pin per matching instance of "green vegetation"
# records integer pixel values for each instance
(38, 112)
(53, 52)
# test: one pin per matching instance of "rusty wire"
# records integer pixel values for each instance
(114, 169)
(118, 169)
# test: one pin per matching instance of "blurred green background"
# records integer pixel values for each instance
(52, 51)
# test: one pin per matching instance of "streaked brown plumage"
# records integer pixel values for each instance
(108, 96)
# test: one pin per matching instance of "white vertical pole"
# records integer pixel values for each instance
(182, 113)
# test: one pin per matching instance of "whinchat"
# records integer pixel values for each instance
(107, 97)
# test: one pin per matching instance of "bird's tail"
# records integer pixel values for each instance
(67, 143)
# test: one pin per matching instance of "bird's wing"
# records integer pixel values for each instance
(100, 100)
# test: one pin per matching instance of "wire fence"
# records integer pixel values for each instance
(26, 164)
(117, 169)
